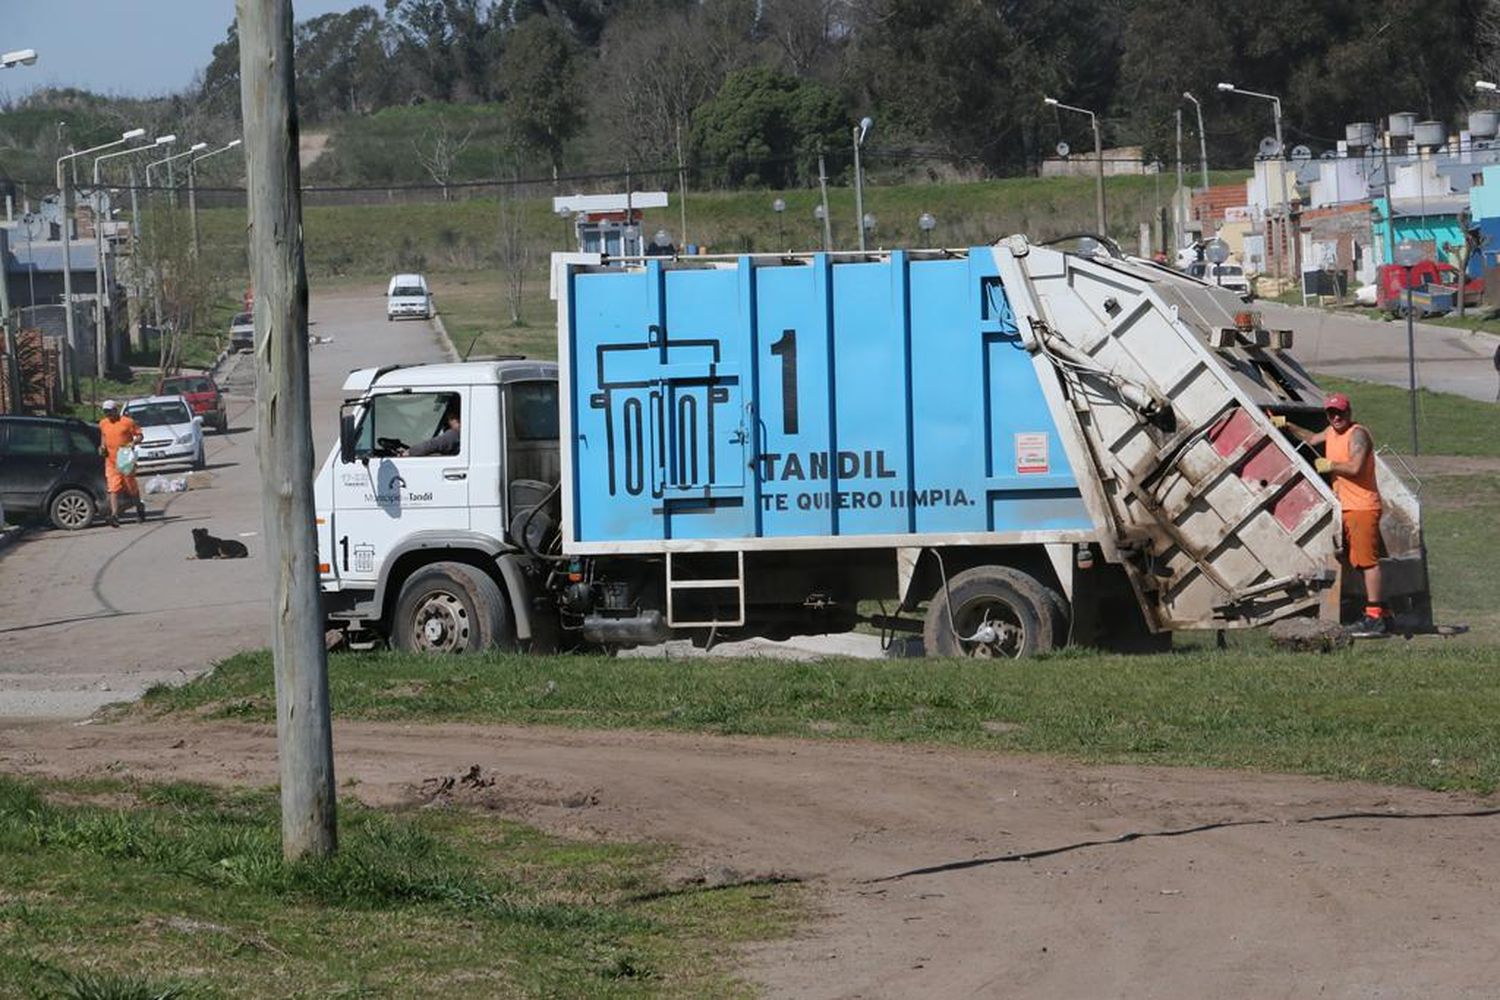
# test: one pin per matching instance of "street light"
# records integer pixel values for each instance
(820, 213)
(1202, 142)
(867, 226)
(1486, 86)
(1229, 88)
(927, 224)
(20, 57)
(67, 237)
(860, 131)
(1098, 158)
(193, 185)
(100, 331)
(1408, 255)
(779, 207)
(194, 148)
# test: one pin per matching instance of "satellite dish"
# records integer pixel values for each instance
(1217, 251)
(1269, 148)
(1063, 149)
(1329, 154)
(34, 226)
(1301, 154)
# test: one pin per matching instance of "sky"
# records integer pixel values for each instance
(137, 48)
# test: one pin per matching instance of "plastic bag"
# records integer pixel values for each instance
(125, 460)
(165, 484)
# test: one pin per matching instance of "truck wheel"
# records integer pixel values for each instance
(71, 510)
(1015, 609)
(451, 607)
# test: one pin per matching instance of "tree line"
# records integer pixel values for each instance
(747, 92)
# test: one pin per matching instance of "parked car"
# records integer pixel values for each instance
(203, 396)
(50, 467)
(1230, 276)
(173, 436)
(242, 331)
(408, 296)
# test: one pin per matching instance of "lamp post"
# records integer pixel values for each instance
(20, 57)
(1202, 141)
(820, 215)
(926, 223)
(1229, 88)
(156, 291)
(1408, 255)
(101, 354)
(67, 237)
(866, 227)
(860, 131)
(1098, 159)
(1485, 86)
(193, 186)
(779, 207)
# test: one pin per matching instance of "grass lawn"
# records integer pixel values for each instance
(473, 305)
(1450, 424)
(1384, 712)
(113, 890)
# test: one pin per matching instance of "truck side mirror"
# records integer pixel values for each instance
(346, 436)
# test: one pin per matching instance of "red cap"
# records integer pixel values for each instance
(1336, 401)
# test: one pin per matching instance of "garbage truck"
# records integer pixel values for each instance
(988, 452)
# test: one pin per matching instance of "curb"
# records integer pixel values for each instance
(444, 341)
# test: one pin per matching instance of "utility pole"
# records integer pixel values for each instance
(284, 427)
(682, 188)
(1099, 175)
(1179, 212)
(137, 341)
(193, 205)
(823, 192)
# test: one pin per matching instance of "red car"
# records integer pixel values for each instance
(202, 394)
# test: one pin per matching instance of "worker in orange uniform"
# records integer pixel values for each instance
(115, 432)
(1349, 459)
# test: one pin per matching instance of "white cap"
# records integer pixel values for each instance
(110, 404)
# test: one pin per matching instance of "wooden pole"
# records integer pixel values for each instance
(284, 427)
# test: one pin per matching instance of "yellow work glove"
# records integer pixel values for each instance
(1323, 465)
(1277, 420)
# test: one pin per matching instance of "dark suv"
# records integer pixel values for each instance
(51, 467)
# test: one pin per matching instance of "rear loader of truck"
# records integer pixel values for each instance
(1002, 450)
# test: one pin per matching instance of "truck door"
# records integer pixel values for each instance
(386, 495)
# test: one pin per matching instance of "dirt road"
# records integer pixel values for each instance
(1287, 906)
(92, 617)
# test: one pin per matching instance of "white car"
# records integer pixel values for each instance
(408, 296)
(1230, 276)
(173, 436)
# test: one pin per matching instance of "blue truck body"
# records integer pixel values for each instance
(880, 399)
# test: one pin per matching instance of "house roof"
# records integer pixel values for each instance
(46, 256)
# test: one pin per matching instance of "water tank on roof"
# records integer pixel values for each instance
(1401, 124)
(1360, 134)
(1430, 134)
(1484, 124)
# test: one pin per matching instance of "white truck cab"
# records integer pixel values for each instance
(413, 527)
(408, 296)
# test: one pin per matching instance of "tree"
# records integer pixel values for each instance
(538, 78)
(512, 249)
(341, 64)
(765, 128)
(439, 148)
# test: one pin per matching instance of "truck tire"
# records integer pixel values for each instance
(1021, 608)
(451, 607)
(71, 510)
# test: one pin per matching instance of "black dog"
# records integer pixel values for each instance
(206, 546)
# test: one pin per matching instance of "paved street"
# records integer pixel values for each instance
(1448, 359)
(98, 616)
